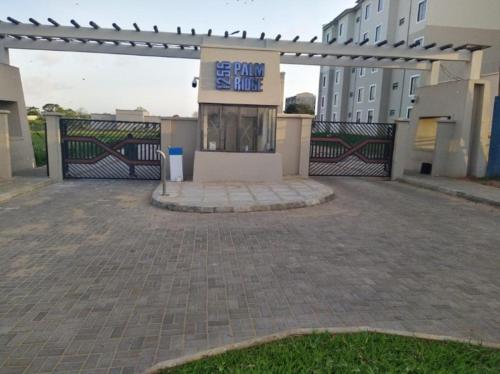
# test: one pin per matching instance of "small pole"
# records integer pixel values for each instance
(163, 171)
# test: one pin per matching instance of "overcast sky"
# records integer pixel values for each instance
(101, 83)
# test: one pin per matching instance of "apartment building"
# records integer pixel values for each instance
(382, 95)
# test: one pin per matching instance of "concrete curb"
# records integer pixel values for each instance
(307, 331)
(323, 198)
(6, 196)
(451, 192)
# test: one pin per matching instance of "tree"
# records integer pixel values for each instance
(33, 111)
(66, 112)
(299, 109)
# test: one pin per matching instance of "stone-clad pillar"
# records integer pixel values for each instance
(54, 146)
(401, 148)
(5, 161)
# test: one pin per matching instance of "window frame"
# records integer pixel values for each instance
(380, 6)
(335, 99)
(368, 8)
(378, 37)
(362, 72)
(374, 86)
(341, 29)
(360, 112)
(334, 117)
(421, 39)
(201, 110)
(337, 76)
(408, 112)
(360, 98)
(413, 78)
(366, 36)
(419, 20)
(322, 102)
(372, 111)
(324, 81)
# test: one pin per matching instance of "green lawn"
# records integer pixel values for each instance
(352, 353)
(39, 147)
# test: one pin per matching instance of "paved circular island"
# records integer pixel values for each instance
(241, 196)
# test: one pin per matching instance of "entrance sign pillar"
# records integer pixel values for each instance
(5, 161)
(54, 145)
(474, 66)
(433, 77)
(401, 147)
(444, 134)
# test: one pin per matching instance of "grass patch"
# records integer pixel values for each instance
(351, 353)
(39, 147)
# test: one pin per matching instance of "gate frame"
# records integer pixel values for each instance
(386, 140)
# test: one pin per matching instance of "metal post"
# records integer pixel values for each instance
(163, 171)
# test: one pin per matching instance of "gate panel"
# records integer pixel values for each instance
(110, 149)
(351, 149)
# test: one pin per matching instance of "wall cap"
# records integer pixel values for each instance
(402, 120)
(447, 121)
(51, 114)
(295, 115)
(178, 118)
(4, 111)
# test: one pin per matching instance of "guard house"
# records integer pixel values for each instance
(239, 96)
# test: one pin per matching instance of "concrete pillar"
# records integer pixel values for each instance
(305, 145)
(433, 75)
(4, 55)
(54, 146)
(444, 134)
(281, 108)
(401, 147)
(473, 71)
(5, 161)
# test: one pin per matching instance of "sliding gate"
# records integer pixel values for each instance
(110, 149)
(351, 149)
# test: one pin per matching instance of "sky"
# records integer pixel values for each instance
(100, 83)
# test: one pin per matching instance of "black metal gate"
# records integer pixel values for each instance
(351, 149)
(110, 149)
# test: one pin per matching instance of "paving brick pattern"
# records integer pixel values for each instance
(93, 279)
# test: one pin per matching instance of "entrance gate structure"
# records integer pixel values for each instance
(110, 149)
(387, 54)
(351, 149)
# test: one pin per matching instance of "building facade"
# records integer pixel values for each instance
(383, 95)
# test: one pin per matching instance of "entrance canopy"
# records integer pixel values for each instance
(95, 39)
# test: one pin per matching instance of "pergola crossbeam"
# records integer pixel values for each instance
(290, 50)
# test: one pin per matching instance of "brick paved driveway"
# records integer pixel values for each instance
(94, 280)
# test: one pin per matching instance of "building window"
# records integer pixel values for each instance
(360, 95)
(414, 84)
(395, 85)
(353, 70)
(358, 115)
(322, 101)
(369, 118)
(368, 8)
(419, 42)
(337, 76)
(380, 6)
(324, 81)
(334, 116)
(365, 36)
(341, 28)
(378, 33)
(362, 72)
(349, 115)
(335, 99)
(401, 21)
(408, 112)
(235, 128)
(373, 89)
(321, 117)
(374, 70)
(392, 113)
(421, 10)
(328, 37)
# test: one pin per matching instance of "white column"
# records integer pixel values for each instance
(474, 66)
(433, 75)
(401, 147)
(5, 161)
(4, 55)
(444, 134)
(54, 145)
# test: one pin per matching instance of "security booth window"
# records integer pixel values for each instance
(238, 128)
